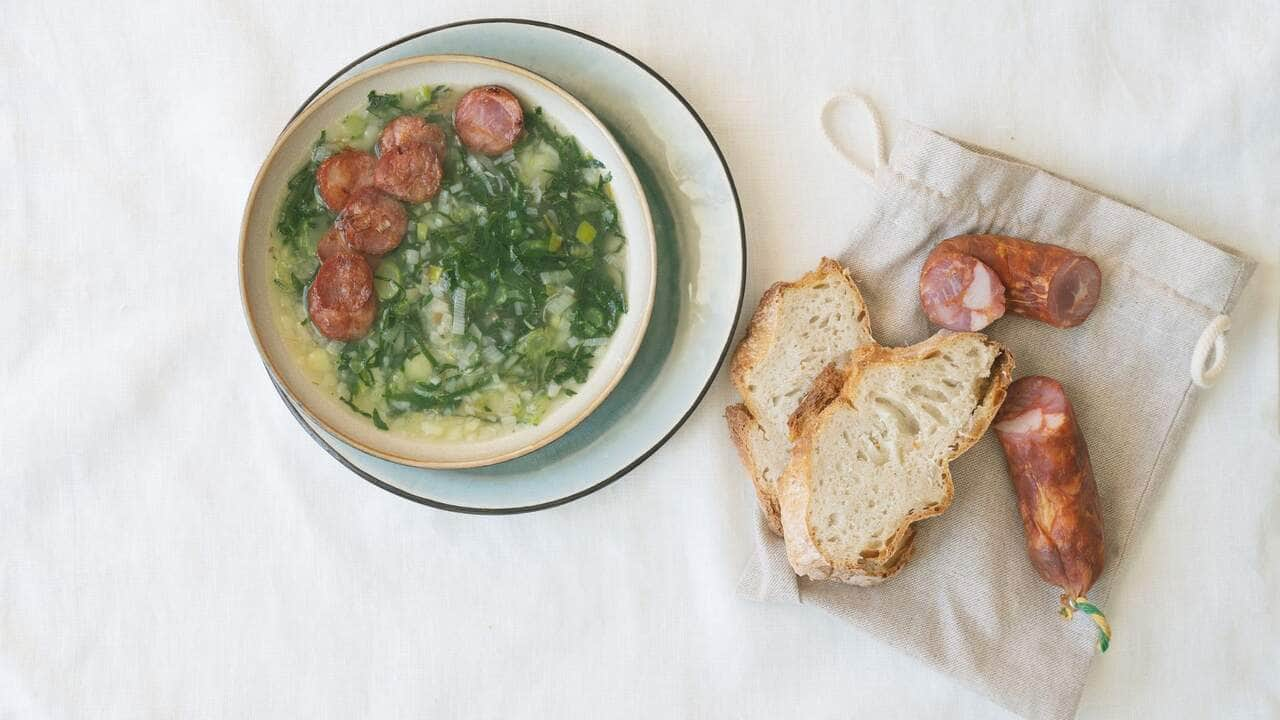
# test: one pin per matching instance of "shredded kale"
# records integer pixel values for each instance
(386, 106)
(423, 396)
(600, 302)
(378, 422)
(302, 209)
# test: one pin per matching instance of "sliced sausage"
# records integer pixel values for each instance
(372, 223)
(959, 292)
(341, 301)
(1057, 498)
(332, 243)
(412, 130)
(488, 120)
(1041, 281)
(342, 174)
(411, 173)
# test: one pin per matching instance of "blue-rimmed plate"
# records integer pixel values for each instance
(701, 263)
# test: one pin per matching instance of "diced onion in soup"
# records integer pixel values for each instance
(559, 303)
(459, 310)
(492, 355)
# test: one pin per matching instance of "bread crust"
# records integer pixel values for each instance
(760, 336)
(741, 427)
(826, 388)
(795, 492)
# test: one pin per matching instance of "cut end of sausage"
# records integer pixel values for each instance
(488, 120)
(341, 302)
(1033, 404)
(1074, 291)
(960, 292)
(1033, 420)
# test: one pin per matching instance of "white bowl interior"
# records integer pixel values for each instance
(459, 72)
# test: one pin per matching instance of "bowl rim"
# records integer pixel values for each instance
(318, 100)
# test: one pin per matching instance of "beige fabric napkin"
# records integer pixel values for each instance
(970, 604)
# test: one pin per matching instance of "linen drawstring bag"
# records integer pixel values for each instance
(970, 604)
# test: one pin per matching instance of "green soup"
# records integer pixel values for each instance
(496, 303)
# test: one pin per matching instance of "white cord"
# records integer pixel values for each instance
(881, 157)
(1213, 338)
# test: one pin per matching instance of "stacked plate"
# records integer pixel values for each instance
(701, 262)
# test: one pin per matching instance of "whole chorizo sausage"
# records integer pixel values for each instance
(1057, 497)
(1041, 281)
(341, 175)
(341, 302)
(372, 223)
(488, 120)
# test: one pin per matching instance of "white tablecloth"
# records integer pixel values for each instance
(173, 545)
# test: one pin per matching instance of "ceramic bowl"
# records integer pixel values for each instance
(291, 150)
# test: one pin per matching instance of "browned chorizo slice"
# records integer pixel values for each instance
(342, 174)
(488, 120)
(959, 292)
(412, 130)
(332, 243)
(1057, 497)
(372, 223)
(1041, 281)
(411, 173)
(341, 301)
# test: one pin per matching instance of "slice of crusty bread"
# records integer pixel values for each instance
(799, 328)
(871, 458)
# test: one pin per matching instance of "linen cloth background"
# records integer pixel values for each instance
(969, 603)
(171, 545)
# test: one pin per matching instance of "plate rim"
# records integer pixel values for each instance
(737, 316)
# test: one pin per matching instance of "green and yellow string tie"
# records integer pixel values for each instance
(1070, 605)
